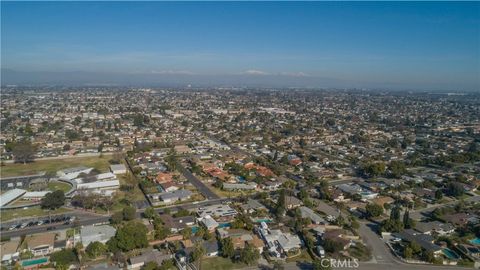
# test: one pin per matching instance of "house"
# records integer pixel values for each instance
(211, 248)
(40, 244)
(383, 200)
(209, 222)
(240, 186)
(306, 212)
(217, 210)
(278, 242)
(459, 219)
(177, 224)
(288, 242)
(102, 233)
(272, 185)
(182, 149)
(164, 177)
(434, 226)
(337, 235)
(169, 186)
(118, 169)
(154, 255)
(251, 206)
(424, 240)
(331, 212)
(241, 237)
(177, 195)
(10, 251)
(292, 202)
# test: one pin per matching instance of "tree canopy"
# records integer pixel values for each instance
(53, 200)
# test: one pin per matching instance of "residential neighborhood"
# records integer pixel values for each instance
(241, 178)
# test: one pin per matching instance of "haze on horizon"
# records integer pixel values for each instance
(399, 45)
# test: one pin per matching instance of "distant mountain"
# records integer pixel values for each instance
(251, 78)
(163, 79)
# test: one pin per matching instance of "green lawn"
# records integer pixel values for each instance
(220, 263)
(6, 215)
(53, 165)
(55, 185)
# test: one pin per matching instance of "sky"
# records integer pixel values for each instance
(398, 45)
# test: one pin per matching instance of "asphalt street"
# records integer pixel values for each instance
(209, 195)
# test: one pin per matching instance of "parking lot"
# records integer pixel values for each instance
(61, 219)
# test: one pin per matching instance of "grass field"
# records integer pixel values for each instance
(53, 165)
(220, 263)
(55, 185)
(6, 215)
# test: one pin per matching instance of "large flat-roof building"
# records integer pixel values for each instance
(10, 196)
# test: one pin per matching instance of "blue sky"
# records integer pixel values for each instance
(405, 44)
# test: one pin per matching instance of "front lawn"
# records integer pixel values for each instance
(220, 263)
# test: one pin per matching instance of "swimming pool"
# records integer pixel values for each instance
(34, 262)
(263, 220)
(475, 241)
(450, 254)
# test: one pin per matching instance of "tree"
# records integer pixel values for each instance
(198, 252)
(407, 252)
(395, 213)
(373, 210)
(455, 189)
(129, 213)
(397, 168)
(63, 258)
(23, 151)
(117, 218)
(186, 233)
(321, 265)
(161, 232)
(277, 265)
(249, 255)
(408, 223)
(373, 169)
(95, 249)
(150, 266)
(438, 194)
(332, 246)
(416, 248)
(130, 236)
(150, 213)
(280, 208)
(53, 200)
(226, 245)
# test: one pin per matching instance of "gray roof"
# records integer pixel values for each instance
(151, 256)
(253, 204)
(425, 241)
(10, 196)
(309, 213)
(433, 225)
(100, 233)
(177, 194)
(115, 167)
